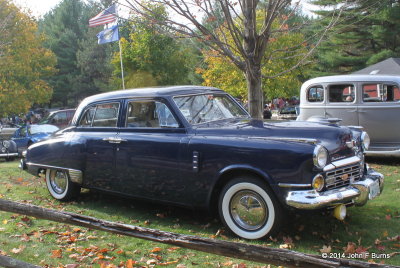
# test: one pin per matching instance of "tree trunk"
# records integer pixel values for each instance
(255, 92)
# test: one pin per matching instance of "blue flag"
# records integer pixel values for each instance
(108, 35)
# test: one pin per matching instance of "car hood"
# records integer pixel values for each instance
(333, 137)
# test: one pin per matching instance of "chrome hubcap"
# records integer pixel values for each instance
(58, 181)
(248, 210)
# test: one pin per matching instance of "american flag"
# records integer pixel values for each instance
(104, 17)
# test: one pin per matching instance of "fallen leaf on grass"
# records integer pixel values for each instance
(325, 249)
(18, 250)
(72, 266)
(57, 253)
(157, 249)
(130, 263)
(388, 217)
(350, 248)
(167, 263)
(151, 262)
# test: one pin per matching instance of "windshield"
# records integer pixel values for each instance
(208, 107)
(43, 129)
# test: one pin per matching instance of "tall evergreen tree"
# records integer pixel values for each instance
(368, 32)
(83, 65)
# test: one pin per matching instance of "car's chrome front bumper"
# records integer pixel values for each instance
(359, 192)
(8, 154)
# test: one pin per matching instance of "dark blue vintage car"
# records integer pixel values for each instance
(197, 147)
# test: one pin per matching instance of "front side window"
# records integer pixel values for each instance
(380, 93)
(208, 107)
(101, 115)
(106, 115)
(341, 93)
(315, 94)
(150, 114)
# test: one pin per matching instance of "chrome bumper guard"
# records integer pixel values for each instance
(9, 155)
(359, 192)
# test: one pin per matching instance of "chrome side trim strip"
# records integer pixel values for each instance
(342, 162)
(303, 140)
(74, 174)
(8, 155)
(292, 185)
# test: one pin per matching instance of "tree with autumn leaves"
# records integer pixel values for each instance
(221, 72)
(244, 41)
(24, 62)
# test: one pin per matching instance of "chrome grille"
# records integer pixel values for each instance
(342, 176)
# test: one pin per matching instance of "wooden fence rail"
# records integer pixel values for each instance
(267, 255)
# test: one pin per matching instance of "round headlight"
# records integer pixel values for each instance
(365, 140)
(318, 182)
(6, 144)
(3, 149)
(320, 156)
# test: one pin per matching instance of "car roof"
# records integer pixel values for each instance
(166, 91)
(152, 92)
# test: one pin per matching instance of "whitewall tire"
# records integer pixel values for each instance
(249, 208)
(60, 186)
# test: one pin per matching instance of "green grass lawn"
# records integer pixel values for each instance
(374, 228)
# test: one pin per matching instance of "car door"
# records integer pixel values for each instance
(97, 129)
(342, 103)
(378, 113)
(149, 154)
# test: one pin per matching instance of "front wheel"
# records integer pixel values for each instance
(249, 208)
(60, 186)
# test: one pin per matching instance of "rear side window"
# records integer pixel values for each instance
(341, 93)
(380, 93)
(315, 94)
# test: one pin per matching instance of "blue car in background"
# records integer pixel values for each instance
(29, 134)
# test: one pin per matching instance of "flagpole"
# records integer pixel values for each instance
(122, 66)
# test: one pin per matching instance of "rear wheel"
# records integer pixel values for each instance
(249, 208)
(60, 186)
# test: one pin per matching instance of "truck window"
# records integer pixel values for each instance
(315, 94)
(341, 93)
(380, 93)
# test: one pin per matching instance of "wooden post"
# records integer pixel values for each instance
(275, 256)
(12, 263)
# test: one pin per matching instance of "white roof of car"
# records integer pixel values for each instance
(353, 78)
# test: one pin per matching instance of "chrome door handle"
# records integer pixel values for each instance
(114, 140)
